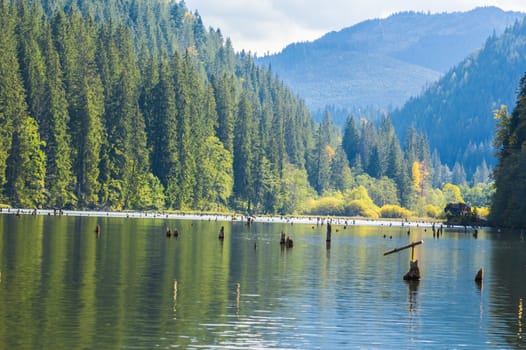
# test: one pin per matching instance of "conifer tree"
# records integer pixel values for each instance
(350, 141)
(60, 181)
(508, 206)
(164, 156)
(27, 166)
(187, 95)
(13, 107)
(224, 97)
(243, 151)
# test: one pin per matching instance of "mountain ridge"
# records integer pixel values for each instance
(383, 62)
(456, 112)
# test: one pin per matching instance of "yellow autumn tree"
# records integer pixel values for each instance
(452, 193)
(419, 173)
(415, 172)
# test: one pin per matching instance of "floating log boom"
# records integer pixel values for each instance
(411, 245)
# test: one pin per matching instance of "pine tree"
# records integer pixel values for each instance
(188, 101)
(164, 156)
(27, 166)
(341, 177)
(224, 97)
(13, 108)
(508, 206)
(319, 174)
(350, 141)
(60, 182)
(243, 151)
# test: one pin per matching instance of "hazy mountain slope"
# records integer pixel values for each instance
(457, 111)
(382, 62)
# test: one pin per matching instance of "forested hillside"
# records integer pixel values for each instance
(135, 105)
(383, 62)
(457, 112)
(508, 206)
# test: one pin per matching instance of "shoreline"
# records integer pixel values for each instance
(311, 220)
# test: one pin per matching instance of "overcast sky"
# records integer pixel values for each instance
(262, 26)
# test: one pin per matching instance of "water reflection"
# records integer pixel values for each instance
(413, 289)
(509, 264)
(519, 320)
(175, 299)
(132, 287)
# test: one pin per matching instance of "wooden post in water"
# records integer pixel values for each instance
(414, 272)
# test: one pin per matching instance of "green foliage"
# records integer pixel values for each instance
(137, 106)
(13, 107)
(27, 166)
(216, 175)
(359, 203)
(478, 195)
(149, 193)
(432, 211)
(295, 191)
(381, 191)
(508, 206)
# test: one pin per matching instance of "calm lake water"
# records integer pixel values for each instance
(61, 287)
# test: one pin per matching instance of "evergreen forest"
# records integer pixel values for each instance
(136, 105)
(457, 111)
(508, 205)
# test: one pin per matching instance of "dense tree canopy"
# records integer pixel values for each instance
(135, 105)
(508, 205)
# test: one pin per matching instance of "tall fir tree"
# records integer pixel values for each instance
(13, 107)
(351, 140)
(164, 154)
(27, 166)
(243, 151)
(60, 181)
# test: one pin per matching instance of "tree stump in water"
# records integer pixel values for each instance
(414, 272)
(480, 276)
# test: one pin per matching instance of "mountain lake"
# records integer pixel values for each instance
(62, 286)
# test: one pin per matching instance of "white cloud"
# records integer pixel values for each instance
(269, 25)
